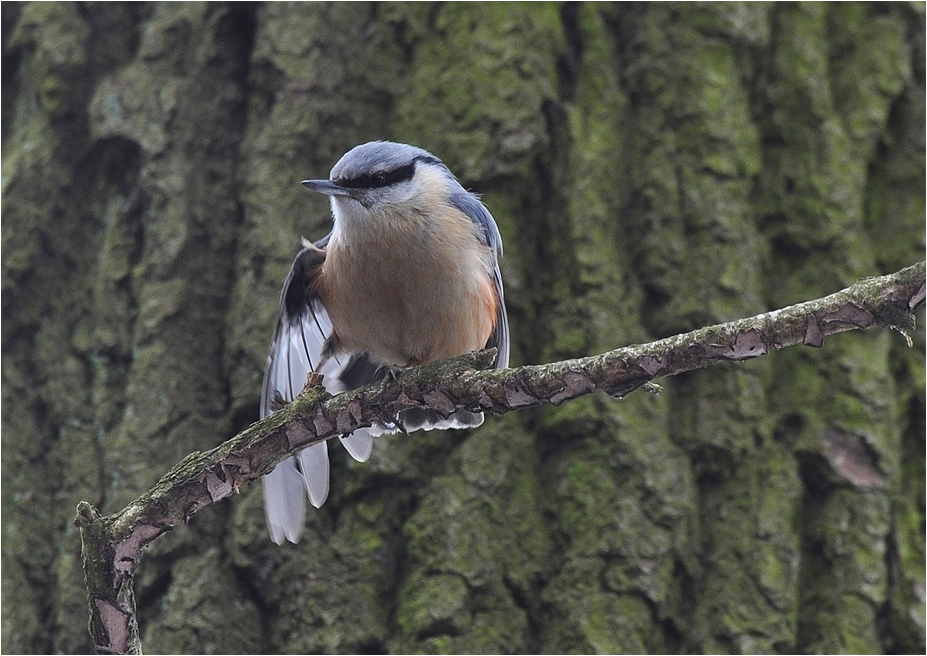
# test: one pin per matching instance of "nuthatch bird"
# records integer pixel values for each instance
(408, 275)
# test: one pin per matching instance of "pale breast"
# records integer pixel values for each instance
(411, 292)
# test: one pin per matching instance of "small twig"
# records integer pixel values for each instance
(112, 545)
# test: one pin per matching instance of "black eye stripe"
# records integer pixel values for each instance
(377, 179)
(380, 179)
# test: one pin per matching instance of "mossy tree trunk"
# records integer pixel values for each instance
(653, 168)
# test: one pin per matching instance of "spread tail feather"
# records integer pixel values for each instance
(418, 419)
(284, 499)
(284, 502)
(359, 444)
(313, 464)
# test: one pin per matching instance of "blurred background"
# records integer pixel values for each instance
(654, 168)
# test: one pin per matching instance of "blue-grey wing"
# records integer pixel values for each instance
(470, 205)
(302, 328)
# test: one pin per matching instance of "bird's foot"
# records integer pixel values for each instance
(314, 379)
(390, 373)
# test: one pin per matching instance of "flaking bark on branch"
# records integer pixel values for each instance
(113, 544)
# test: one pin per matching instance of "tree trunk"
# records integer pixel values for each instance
(653, 169)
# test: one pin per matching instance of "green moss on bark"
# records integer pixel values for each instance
(653, 168)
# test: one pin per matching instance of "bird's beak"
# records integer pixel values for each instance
(327, 187)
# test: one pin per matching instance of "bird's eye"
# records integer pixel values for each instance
(379, 180)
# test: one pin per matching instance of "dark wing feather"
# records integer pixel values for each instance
(302, 328)
(296, 345)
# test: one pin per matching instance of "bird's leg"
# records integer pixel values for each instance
(390, 373)
(314, 379)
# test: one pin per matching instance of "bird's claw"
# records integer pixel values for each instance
(390, 373)
(314, 379)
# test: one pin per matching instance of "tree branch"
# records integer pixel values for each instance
(112, 545)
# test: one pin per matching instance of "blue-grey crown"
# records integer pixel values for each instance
(379, 164)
